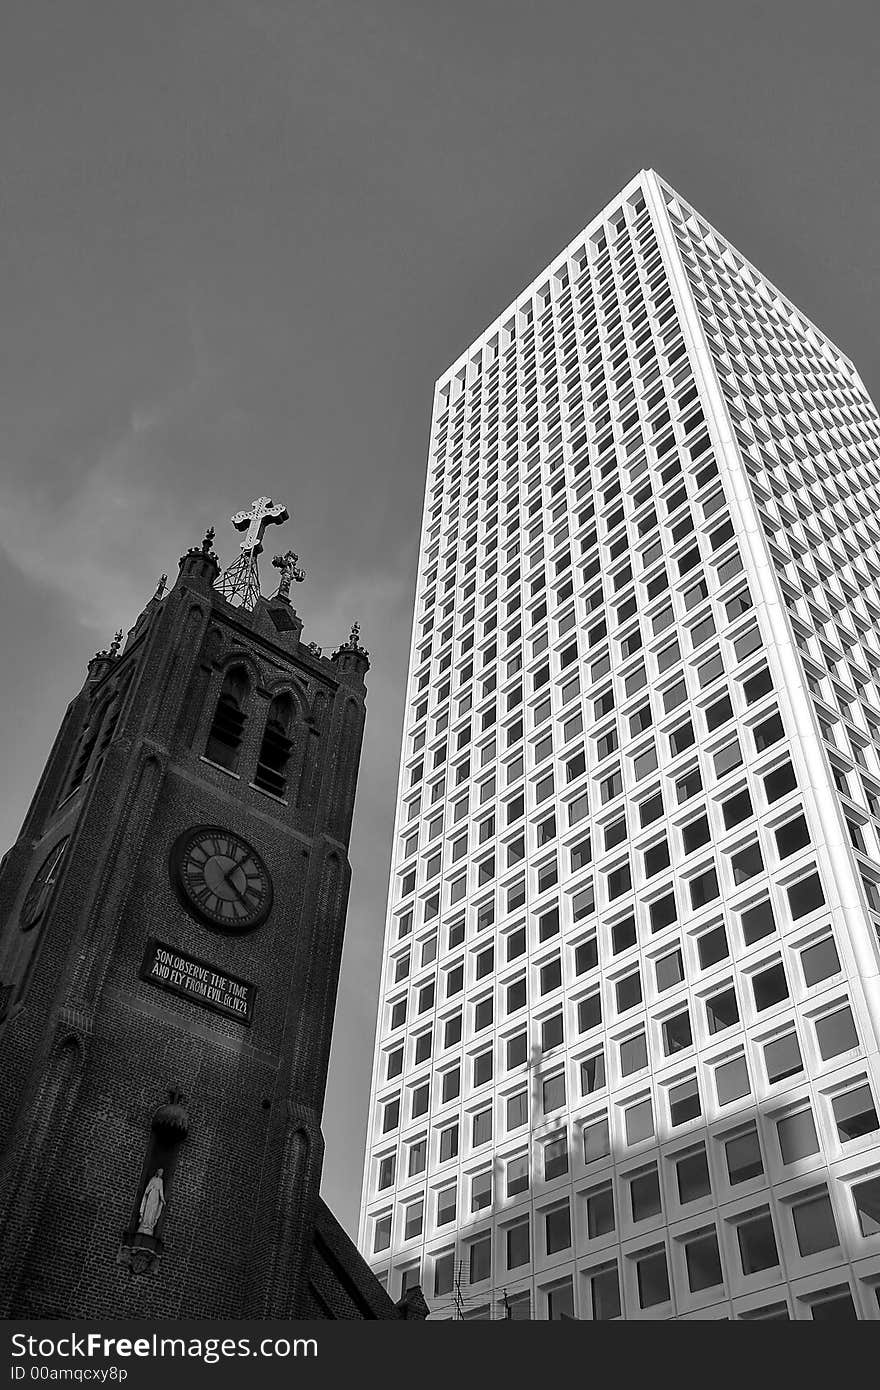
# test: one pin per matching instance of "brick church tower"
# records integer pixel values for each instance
(171, 925)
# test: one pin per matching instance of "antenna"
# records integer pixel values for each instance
(457, 1298)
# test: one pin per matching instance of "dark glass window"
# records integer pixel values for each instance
(593, 1073)
(227, 727)
(757, 922)
(692, 1174)
(684, 1101)
(677, 1033)
(767, 733)
(737, 809)
(518, 1247)
(695, 834)
(652, 1278)
(662, 912)
(855, 1113)
(770, 987)
(704, 888)
(644, 1194)
(669, 970)
(590, 1012)
(743, 1154)
(703, 1261)
(805, 896)
(757, 1243)
(623, 935)
(712, 947)
(797, 1136)
(629, 992)
(722, 1011)
(779, 782)
(782, 1057)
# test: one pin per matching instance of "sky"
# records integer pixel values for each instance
(240, 240)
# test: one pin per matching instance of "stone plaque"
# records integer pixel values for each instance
(198, 981)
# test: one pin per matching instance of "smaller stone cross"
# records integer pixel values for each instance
(290, 571)
(254, 521)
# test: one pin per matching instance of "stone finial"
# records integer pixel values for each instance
(290, 573)
(350, 658)
(109, 653)
(161, 586)
(200, 566)
(354, 641)
(206, 548)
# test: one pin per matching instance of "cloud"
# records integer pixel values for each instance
(98, 545)
(102, 539)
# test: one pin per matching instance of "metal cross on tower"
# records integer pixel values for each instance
(240, 583)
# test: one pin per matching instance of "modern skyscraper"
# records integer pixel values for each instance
(627, 1049)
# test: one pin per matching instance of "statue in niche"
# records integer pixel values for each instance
(152, 1204)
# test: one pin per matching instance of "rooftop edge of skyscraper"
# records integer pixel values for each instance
(638, 181)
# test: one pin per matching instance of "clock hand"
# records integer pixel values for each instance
(228, 880)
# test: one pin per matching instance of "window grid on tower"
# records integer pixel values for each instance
(619, 1026)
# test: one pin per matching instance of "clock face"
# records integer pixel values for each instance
(43, 882)
(221, 879)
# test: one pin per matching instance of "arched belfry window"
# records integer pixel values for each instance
(275, 749)
(111, 720)
(86, 746)
(81, 761)
(227, 726)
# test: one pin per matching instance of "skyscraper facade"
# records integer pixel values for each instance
(627, 1048)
